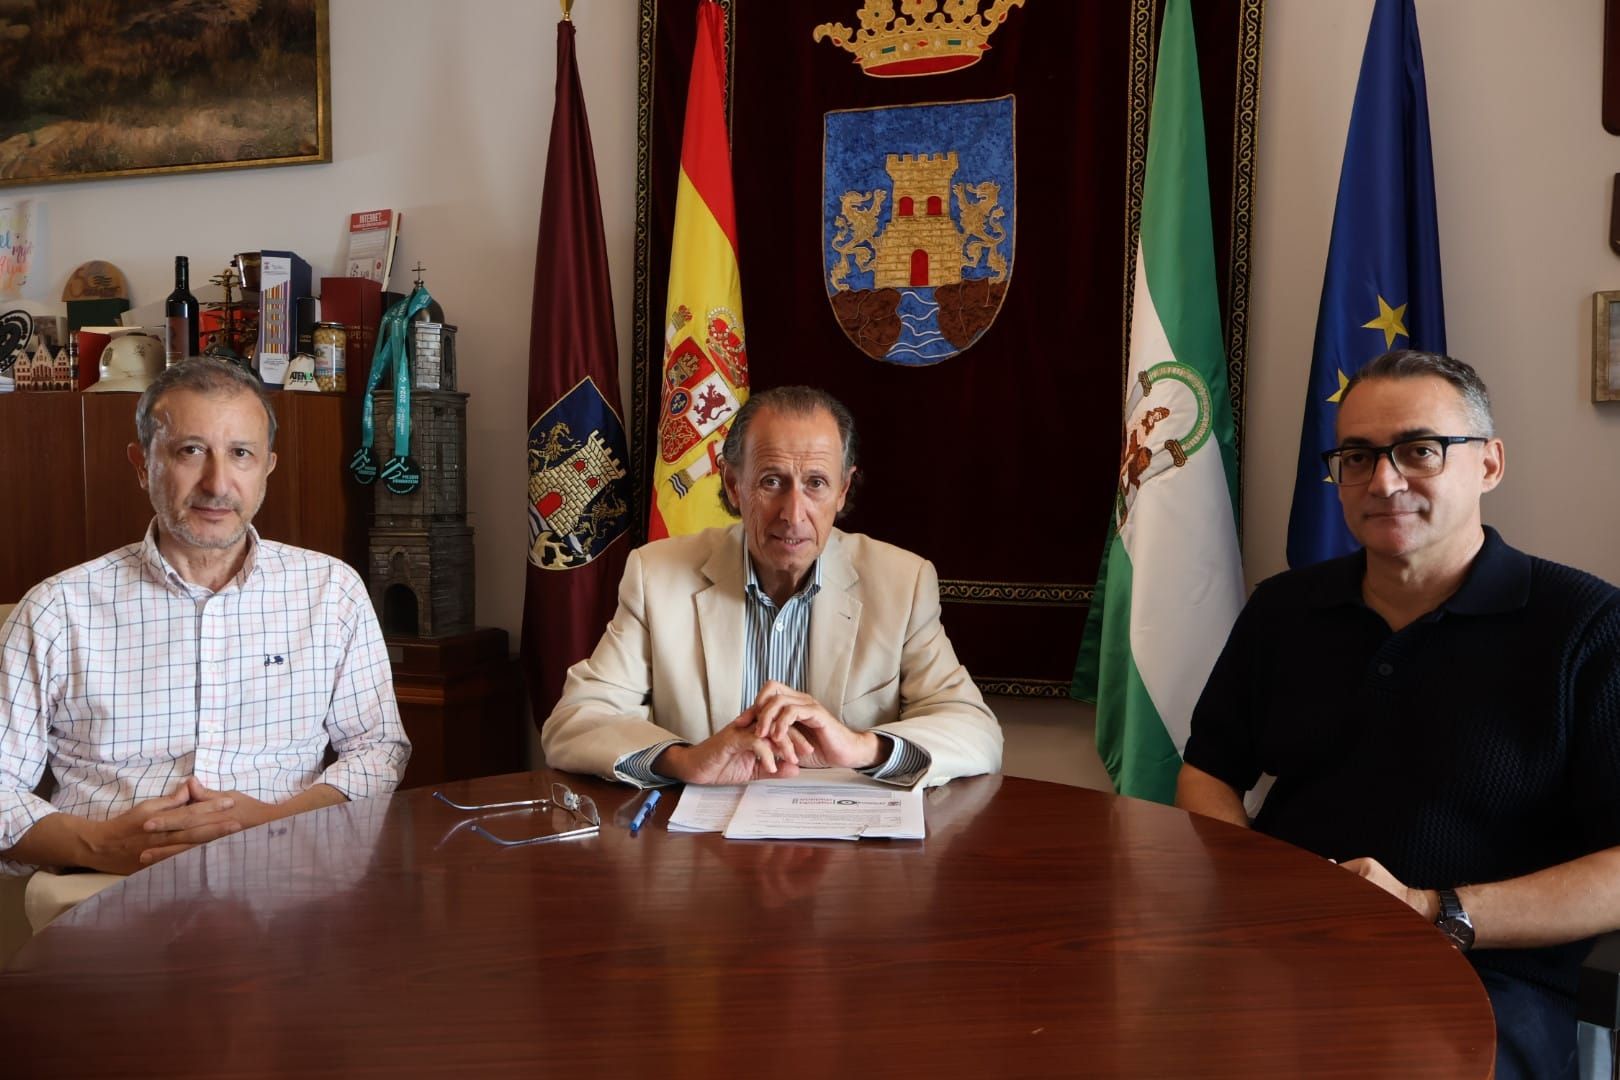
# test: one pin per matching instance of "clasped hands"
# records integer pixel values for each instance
(783, 731)
(155, 829)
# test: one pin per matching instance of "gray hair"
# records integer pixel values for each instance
(1413, 364)
(201, 375)
(788, 401)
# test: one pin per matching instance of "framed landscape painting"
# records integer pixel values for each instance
(1606, 346)
(91, 89)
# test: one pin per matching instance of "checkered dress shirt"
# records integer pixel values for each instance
(124, 679)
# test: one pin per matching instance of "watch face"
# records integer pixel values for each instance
(1454, 922)
(1460, 933)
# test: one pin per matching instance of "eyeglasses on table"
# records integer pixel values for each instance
(581, 807)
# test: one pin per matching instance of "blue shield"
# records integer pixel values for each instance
(918, 207)
(579, 498)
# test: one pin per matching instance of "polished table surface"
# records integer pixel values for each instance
(1039, 930)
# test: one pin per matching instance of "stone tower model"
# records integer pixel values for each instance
(421, 551)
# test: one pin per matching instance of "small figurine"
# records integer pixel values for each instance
(33, 372)
(226, 342)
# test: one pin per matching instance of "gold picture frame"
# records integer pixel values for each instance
(98, 90)
(1606, 346)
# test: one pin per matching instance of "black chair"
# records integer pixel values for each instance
(1597, 1007)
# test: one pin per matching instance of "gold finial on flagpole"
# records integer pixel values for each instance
(568, 10)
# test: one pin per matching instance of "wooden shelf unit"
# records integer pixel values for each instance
(68, 492)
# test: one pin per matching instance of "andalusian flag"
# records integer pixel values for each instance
(705, 360)
(1171, 580)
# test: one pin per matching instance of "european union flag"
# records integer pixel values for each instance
(1382, 287)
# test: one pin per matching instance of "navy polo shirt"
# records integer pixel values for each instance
(1479, 743)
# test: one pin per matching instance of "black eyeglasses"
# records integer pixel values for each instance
(1425, 455)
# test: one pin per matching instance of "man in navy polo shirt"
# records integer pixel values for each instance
(1441, 712)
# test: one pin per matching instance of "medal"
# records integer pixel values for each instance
(400, 473)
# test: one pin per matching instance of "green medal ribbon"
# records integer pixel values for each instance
(400, 474)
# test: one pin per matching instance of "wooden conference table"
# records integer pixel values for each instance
(1040, 930)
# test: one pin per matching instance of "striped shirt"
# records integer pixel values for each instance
(123, 679)
(776, 645)
(776, 641)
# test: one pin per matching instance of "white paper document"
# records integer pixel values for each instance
(705, 809)
(830, 804)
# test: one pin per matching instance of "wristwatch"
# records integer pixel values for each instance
(1454, 921)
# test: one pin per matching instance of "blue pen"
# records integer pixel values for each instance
(648, 805)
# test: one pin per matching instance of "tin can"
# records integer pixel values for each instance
(330, 364)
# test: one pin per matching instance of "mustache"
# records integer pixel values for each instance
(215, 504)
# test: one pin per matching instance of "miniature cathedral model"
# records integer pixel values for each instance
(421, 547)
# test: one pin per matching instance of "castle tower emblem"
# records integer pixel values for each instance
(922, 245)
(578, 501)
(560, 494)
(917, 225)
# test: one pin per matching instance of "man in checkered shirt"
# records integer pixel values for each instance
(189, 686)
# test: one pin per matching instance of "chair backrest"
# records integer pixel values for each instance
(1597, 1007)
(5, 610)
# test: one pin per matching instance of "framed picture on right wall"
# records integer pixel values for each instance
(1606, 346)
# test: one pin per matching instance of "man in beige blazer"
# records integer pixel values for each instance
(777, 644)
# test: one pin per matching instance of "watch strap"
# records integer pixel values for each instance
(1453, 920)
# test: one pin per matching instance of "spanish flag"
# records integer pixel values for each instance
(705, 359)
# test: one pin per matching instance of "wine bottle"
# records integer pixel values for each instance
(180, 309)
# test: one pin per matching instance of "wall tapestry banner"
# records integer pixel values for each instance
(936, 213)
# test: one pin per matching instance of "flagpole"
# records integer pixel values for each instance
(578, 503)
(567, 10)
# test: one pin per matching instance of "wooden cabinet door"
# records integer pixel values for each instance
(116, 510)
(325, 508)
(41, 489)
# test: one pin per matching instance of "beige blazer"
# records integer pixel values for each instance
(669, 665)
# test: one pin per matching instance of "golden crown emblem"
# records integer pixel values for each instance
(922, 40)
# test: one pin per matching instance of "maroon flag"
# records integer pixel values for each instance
(579, 494)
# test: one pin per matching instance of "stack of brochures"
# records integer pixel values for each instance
(818, 804)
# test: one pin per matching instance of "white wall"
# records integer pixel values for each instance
(442, 110)
(1523, 172)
